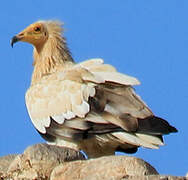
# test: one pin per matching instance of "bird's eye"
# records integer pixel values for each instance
(37, 29)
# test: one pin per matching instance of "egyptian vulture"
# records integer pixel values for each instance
(87, 106)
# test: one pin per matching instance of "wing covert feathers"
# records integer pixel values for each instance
(58, 99)
(108, 73)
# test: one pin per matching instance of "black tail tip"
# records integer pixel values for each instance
(173, 129)
(155, 125)
(128, 151)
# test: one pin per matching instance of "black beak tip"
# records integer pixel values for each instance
(14, 40)
(12, 44)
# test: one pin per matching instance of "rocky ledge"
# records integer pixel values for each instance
(43, 162)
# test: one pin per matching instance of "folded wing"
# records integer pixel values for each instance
(91, 99)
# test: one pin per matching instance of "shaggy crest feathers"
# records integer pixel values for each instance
(55, 31)
(54, 27)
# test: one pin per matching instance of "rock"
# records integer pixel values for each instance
(106, 168)
(38, 161)
(5, 161)
(43, 162)
(154, 177)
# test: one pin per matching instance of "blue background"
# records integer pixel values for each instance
(147, 39)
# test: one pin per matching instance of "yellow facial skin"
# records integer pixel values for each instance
(34, 34)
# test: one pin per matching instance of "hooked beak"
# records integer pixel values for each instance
(16, 38)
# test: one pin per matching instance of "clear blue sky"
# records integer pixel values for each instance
(147, 39)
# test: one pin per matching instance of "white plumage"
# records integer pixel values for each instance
(88, 106)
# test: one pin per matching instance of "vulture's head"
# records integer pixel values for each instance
(47, 38)
(38, 32)
(35, 34)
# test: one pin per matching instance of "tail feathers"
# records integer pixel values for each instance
(149, 133)
(155, 126)
(135, 140)
(156, 140)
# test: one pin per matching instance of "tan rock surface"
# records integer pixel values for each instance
(5, 161)
(106, 168)
(154, 177)
(46, 162)
(38, 161)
